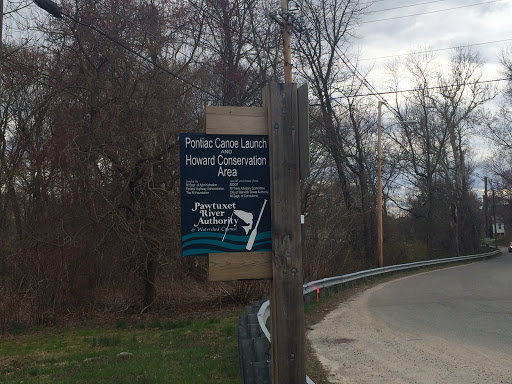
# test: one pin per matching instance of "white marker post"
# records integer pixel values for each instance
(252, 237)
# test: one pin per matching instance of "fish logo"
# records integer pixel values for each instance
(247, 218)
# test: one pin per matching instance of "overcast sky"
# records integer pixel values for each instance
(442, 24)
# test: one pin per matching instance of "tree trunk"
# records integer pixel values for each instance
(15, 208)
(149, 276)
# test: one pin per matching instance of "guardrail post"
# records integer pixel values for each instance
(253, 348)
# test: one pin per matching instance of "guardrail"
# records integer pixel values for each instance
(253, 347)
(334, 281)
(255, 355)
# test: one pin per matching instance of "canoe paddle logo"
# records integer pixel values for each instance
(247, 218)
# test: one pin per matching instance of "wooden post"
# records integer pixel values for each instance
(287, 49)
(287, 307)
(1, 29)
(486, 216)
(495, 230)
(379, 189)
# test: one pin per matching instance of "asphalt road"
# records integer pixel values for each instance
(469, 304)
(450, 326)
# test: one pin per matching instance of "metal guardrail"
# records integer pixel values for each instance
(253, 347)
(333, 281)
(263, 313)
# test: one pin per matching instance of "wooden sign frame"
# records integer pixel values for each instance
(238, 265)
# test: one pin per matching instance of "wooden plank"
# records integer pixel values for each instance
(236, 120)
(239, 266)
(287, 306)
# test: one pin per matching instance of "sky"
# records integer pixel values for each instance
(433, 24)
(441, 24)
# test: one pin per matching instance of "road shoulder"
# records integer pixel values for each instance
(357, 347)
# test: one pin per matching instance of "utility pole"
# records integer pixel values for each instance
(287, 49)
(380, 231)
(286, 301)
(486, 213)
(494, 219)
(1, 30)
(379, 188)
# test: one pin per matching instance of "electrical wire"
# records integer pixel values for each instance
(378, 95)
(57, 11)
(430, 12)
(423, 89)
(373, 92)
(403, 6)
(223, 23)
(142, 29)
(150, 61)
(433, 88)
(213, 17)
(372, 2)
(6, 13)
(355, 72)
(435, 50)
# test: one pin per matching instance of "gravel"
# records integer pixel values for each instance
(357, 347)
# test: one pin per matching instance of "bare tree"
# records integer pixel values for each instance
(498, 131)
(459, 103)
(238, 50)
(345, 128)
(433, 152)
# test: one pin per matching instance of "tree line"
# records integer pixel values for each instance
(89, 165)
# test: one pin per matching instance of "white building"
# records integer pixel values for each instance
(498, 229)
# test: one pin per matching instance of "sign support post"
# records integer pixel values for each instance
(287, 306)
(222, 175)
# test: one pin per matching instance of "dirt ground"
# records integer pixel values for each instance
(356, 347)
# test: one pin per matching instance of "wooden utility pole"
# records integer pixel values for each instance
(486, 213)
(495, 229)
(1, 30)
(379, 189)
(287, 49)
(286, 300)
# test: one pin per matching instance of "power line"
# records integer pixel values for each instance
(142, 29)
(52, 8)
(129, 49)
(420, 89)
(430, 12)
(56, 11)
(363, 79)
(239, 32)
(432, 88)
(403, 6)
(355, 72)
(371, 2)
(435, 50)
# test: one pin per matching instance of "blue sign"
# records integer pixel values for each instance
(225, 192)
